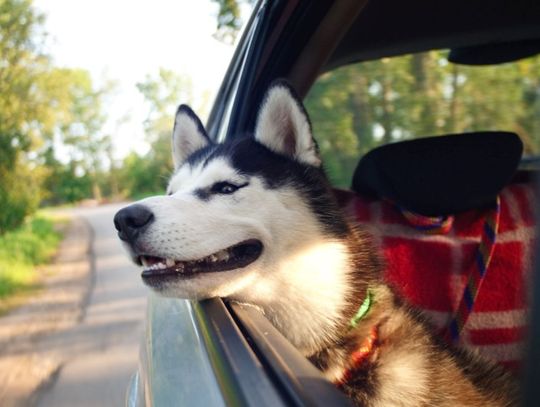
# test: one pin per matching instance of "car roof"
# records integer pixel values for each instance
(393, 27)
(298, 40)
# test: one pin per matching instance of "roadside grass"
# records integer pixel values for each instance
(21, 250)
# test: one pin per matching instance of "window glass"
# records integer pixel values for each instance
(176, 367)
(358, 107)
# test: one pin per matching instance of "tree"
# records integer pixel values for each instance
(358, 107)
(83, 133)
(64, 182)
(148, 174)
(40, 106)
(329, 107)
(163, 94)
(74, 119)
(21, 64)
(229, 20)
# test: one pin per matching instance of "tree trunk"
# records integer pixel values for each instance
(362, 120)
(387, 109)
(425, 92)
(452, 123)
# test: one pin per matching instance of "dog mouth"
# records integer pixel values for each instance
(238, 256)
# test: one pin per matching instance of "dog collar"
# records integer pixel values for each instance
(362, 311)
(365, 352)
(366, 349)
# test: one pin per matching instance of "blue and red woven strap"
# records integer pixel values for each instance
(483, 258)
(430, 224)
(442, 225)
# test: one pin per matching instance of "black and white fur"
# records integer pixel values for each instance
(305, 266)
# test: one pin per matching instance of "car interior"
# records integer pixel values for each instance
(454, 212)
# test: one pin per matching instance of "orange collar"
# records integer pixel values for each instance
(365, 352)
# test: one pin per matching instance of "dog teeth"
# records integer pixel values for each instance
(179, 268)
(222, 255)
(157, 266)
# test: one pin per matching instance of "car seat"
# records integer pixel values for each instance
(455, 221)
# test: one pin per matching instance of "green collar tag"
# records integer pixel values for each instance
(363, 310)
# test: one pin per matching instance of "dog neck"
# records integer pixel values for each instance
(313, 294)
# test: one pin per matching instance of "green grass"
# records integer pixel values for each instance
(21, 251)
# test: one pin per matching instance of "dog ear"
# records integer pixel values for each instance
(188, 135)
(283, 125)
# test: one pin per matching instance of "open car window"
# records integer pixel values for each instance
(358, 107)
(213, 353)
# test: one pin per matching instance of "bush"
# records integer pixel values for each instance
(63, 185)
(21, 250)
(20, 194)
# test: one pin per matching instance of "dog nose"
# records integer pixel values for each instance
(131, 220)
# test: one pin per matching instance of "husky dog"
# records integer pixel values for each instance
(254, 220)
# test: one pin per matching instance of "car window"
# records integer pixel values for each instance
(358, 107)
(176, 366)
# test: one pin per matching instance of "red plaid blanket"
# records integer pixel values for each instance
(431, 270)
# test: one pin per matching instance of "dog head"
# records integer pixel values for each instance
(239, 217)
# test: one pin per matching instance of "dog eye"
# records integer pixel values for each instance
(223, 188)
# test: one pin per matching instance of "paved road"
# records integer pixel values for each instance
(103, 349)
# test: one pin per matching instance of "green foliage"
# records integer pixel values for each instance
(64, 182)
(77, 122)
(82, 130)
(21, 250)
(143, 175)
(40, 107)
(228, 18)
(358, 107)
(353, 108)
(329, 100)
(163, 93)
(20, 194)
(21, 64)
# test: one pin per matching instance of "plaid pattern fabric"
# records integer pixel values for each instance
(432, 269)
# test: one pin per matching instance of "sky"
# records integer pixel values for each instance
(124, 41)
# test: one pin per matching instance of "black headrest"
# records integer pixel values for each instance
(489, 54)
(441, 175)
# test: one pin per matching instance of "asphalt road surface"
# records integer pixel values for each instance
(103, 350)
